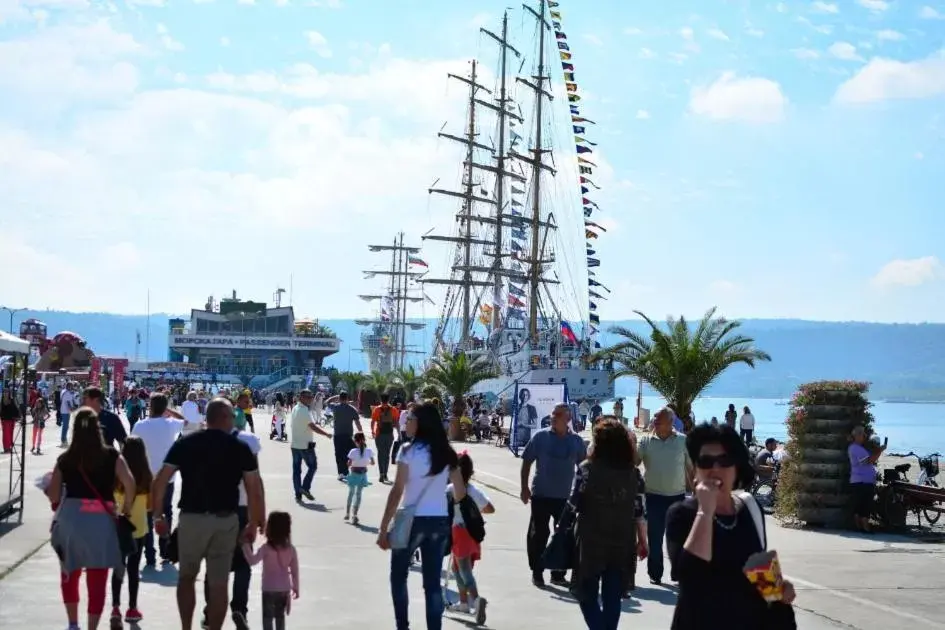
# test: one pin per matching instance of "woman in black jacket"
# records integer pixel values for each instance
(712, 535)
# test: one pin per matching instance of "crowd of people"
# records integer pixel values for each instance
(597, 508)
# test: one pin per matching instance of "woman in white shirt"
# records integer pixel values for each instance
(747, 425)
(318, 407)
(278, 413)
(424, 468)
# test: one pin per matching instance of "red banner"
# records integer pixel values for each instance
(118, 367)
(95, 371)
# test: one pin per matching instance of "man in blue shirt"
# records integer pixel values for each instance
(113, 431)
(556, 451)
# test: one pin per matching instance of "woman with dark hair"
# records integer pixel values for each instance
(712, 535)
(84, 531)
(424, 468)
(526, 418)
(606, 501)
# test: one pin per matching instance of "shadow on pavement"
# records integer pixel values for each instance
(313, 507)
(370, 529)
(167, 576)
(663, 595)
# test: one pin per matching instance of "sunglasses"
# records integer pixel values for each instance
(708, 462)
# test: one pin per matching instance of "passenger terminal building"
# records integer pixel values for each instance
(250, 339)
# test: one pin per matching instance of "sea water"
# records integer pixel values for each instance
(918, 427)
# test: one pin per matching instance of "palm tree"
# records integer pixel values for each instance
(409, 381)
(678, 362)
(455, 375)
(352, 382)
(377, 382)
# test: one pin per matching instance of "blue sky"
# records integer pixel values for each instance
(777, 159)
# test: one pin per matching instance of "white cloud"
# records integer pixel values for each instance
(633, 30)
(929, 13)
(874, 5)
(748, 99)
(824, 7)
(593, 39)
(754, 32)
(480, 19)
(167, 41)
(781, 7)
(723, 286)
(147, 3)
(889, 35)
(642, 114)
(805, 53)
(224, 41)
(889, 79)
(909, 272)
(717, 33)
(318, 43)
(687, 33)
(919, 155)
(678, 57)
(845, 51)
(646, 53)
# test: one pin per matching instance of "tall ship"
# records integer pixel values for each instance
(385, 342)
(522, 289)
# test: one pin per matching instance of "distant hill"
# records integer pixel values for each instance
(901, 360)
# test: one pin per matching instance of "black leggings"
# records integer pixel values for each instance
(249, 421)
(132, 569)
(863, 494)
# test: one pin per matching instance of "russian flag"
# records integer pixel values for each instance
(413, 260)
(568, 333)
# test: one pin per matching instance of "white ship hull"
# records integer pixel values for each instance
(581, 383)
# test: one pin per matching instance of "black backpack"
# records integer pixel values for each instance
(472, 517)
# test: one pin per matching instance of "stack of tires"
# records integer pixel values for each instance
(814, 484)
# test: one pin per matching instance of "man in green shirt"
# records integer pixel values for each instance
(239, 415)
(667, 475)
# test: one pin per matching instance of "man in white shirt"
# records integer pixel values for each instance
(302, 445)
(159, 432)
(193, 421)
(68, 403)
(242, 572)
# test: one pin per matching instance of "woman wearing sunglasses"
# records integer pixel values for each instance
(711, 535)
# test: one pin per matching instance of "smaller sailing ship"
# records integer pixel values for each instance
(384, 343)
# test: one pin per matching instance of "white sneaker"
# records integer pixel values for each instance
(459, 607)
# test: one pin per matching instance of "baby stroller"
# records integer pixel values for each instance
(274, 430)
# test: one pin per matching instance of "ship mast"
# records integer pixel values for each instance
(501, 107)
(537, 85)
(399, 294)
(462, 276)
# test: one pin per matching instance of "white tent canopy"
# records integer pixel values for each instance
(10, 344)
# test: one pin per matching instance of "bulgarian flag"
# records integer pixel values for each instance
(413, 260)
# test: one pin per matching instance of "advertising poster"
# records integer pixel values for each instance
(531, 410)
(95, 371)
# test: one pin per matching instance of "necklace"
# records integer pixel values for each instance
(726, 526)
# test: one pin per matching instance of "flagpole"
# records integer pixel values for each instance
(147, 332)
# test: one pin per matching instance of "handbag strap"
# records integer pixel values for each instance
(756, 516)
(98, 496)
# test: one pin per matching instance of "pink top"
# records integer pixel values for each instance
(280, 567)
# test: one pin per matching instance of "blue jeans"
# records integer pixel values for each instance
(168, 506)
(300, 455)
(606, 615)
(656, 507)
(429, 534)
(64, 420)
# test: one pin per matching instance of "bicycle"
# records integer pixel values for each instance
(765, 491)
(928, 471)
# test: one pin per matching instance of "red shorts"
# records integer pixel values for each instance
(463, 544)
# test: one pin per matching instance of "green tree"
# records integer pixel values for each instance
(455, 375)
(678, 361)
(351, 382)
(377, 382)
(409, 381)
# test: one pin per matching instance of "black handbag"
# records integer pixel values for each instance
(559, 554)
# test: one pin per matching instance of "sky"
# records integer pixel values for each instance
(774, 159)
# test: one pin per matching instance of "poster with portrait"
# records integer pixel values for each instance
(531, 410)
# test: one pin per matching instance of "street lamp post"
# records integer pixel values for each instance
(12, 312)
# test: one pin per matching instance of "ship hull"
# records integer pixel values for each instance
(581, 384)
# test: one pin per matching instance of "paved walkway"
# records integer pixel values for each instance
(842, 581)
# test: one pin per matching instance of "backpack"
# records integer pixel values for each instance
(385, 423)
(472, 517)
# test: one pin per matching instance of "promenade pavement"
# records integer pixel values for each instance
(843, 581)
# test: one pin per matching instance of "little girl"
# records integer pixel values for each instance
(466, 551)
(359, 458)
(280, 572)
(136, 455)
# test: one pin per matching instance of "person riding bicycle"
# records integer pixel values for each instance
(765, 461)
